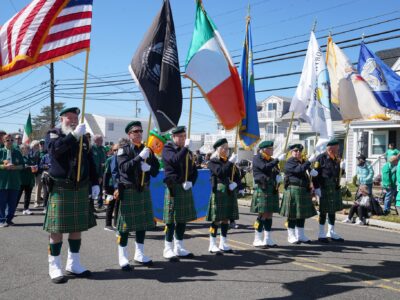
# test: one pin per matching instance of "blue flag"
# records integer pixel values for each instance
(249, 132)
(383, 81)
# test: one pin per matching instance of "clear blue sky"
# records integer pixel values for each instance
(119, 26)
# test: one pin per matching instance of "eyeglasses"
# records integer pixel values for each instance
(9, 140)
(136, 131)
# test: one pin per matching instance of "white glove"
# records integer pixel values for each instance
(144, 154)
(145, 166)
(187, 185)
(313, 157)
(313, 173)
(79, 130)
(278, 178)
(343, 164)
(188, 143)
(95, 192)
(234, 158)
(281, 156)
(317, 192)
(109, 198)
(232, 186)
(241, 192)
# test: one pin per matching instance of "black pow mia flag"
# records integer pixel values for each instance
(155, 69)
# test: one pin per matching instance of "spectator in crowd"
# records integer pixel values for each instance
(18, 141)
(110, 184)
(98, 153)
(27, 178)
(206, 160)
(360, 206)
(391, 151)
(389, 182)
(44, 167)
(11, 163)
(35, 155)
(2, 134)
(365, 172)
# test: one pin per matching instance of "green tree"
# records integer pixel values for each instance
(41, 122)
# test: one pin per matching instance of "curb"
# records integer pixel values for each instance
(340, 217)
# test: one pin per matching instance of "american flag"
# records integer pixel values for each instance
(69, 34)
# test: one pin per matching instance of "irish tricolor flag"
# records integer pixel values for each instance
(210, 66)
(26, 139)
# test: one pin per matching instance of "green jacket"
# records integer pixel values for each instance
(10, 179)
(27, 177)
(99, 158)
(389, 176)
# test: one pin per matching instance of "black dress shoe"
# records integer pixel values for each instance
(59, 279)
(189, 256)
(174, 259)
(323, 240)
(147, 264)
(218, 253)
(84, 274)
(340, 240)
(127, 268)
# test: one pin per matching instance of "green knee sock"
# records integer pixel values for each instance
(74, 245)
(55, 249)
(169, 232)
(224, 229)
(213, 229)
(180, 231)
(267, 224)
(258, 224)
(331, 219)
(140, 235)
(123, 239)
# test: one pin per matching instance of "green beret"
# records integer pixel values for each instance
(266, 144)
(131, 124)
(107, 148)
(75, 110)
(220, 142)
(178, 129)
(296, 146)
(333, 142)
(163, 138)
(3, 132)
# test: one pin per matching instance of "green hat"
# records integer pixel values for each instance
(131, 124)
(220, 142)
(75, 110)
(3, 132)
(178, 129)
(333, 142)
(107, 148)
(266, 144)
(296, 146)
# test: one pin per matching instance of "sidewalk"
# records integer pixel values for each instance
(341, 217)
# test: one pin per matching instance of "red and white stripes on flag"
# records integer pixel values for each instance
(63, 35)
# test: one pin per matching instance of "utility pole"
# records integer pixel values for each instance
(52, 113)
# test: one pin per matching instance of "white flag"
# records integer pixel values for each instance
(312, 97)
(349, 90)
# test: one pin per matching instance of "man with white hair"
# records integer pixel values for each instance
(68, 209)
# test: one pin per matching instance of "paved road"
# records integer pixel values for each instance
(366, 266)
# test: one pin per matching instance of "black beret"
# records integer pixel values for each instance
(178, 129)
(131, 124)
(333, 142)
(75, 110)
(266, 144)
(3, 132)
(220, 142)
(296, 146)
(362, 157)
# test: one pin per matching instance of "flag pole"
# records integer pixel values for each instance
(147, 143)
(189, 129)
(78, 175)
(344, 147)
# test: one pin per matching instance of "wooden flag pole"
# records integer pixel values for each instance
(344, 146)
(235, 150)
(189, 129)
(78, 175)
(147, 142)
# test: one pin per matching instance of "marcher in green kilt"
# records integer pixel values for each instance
(265, 199)
(297, 203)
(327, 188)
(136, 163)
(68, 208)
(180, 176)
(223, 205)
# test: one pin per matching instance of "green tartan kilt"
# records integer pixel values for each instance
(180, 208)
(265, 200)
(69, 210)
(223, 205)
(297, 203)
(330, 200)
(135, 211)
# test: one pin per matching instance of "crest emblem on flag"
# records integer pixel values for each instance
(373, 75)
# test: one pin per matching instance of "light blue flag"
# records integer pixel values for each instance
(383, 81)
(249, 132)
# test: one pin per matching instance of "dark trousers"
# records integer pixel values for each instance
(361, 211)
(45, 189)
(112, 207)
(27, 189)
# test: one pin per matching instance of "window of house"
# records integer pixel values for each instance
(110, 126)
(272, 106)
(379, 141)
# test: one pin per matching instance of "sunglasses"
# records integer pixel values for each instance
(115, 150)
(136, 131)
(9, 140)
